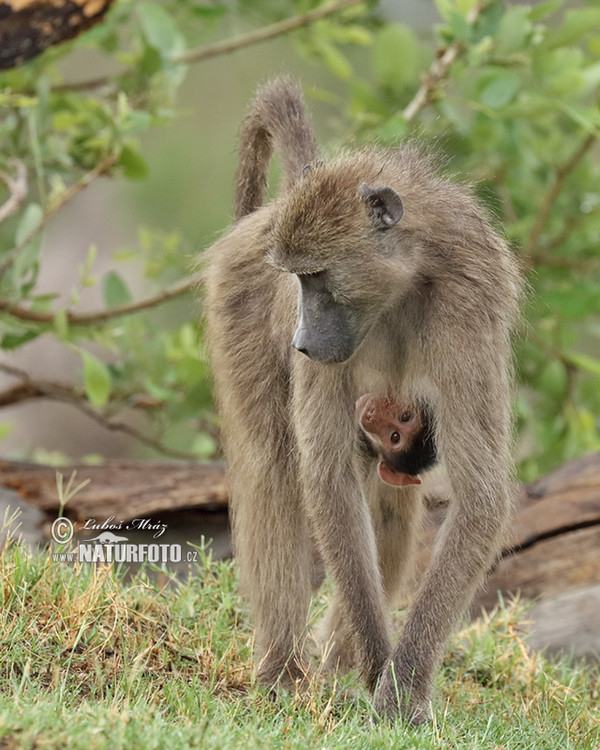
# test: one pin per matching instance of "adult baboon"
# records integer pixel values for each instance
(370, 272)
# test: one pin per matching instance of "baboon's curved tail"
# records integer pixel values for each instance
(277, 119)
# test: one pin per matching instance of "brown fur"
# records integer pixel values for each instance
(438, 295)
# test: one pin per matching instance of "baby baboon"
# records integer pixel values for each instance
(370, 272)
(400, 435)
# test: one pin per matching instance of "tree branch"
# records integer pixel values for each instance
(228, 46)
(99, 316)
(573, 221)
(17, 188)
(29, 388)
(65, 197)
(267, 32)
(444, 59)
(551, 196)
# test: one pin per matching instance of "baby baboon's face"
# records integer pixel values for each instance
(400, 435)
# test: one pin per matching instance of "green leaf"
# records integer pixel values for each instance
(15, 340)
(560, 70)
(587, 117)
(61, 324)
(352, 35)
(133, 164)
(514, 30)
(159, 29)
(335, 60)
(204, 445)
(541, 10)
(392, 130)
(465, 6)
(460, 28)
(584, 362)
(445, 8)
(208, 11)
(575, 25)
(553, 380)
(500, 88)
(582, 434)
(115, 290)
(30, 220)
(591, 77)
(65, 120)
(396, 57)
(96, 379)
(158, 391)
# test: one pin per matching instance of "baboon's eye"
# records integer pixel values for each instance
(406, 416)
(395, 437)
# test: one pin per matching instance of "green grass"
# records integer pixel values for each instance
(89, 660)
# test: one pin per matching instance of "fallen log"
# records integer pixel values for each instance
(124, 489)
(555, 544)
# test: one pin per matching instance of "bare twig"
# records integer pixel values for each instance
(573, 221)
(99, 316)
(267, 32)
(558, 240)
(228, 46)
(553, 192)
(17, 189)
(16, 394)
(29, 388)
(65, 197)
(86, 318)
(572, 264)
(127, 429)
(438, 71)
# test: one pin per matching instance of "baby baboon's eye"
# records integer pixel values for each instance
(395, 437)
(406, 416)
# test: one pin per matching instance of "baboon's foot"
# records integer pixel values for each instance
(399, 696)
(291, 676)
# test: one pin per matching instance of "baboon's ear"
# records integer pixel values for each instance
(383, 205)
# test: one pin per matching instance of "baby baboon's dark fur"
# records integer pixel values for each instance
(390, 279)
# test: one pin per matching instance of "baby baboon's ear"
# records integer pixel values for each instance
(384, 205)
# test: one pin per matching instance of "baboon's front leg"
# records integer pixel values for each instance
(474, 440)
(396, 514)
(338, 509)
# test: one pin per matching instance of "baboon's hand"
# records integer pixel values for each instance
(399, 696)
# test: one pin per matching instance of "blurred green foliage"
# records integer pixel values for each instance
(517, 112)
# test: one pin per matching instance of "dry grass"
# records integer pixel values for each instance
(92, 660)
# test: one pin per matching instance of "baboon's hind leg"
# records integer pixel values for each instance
(274, 557)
